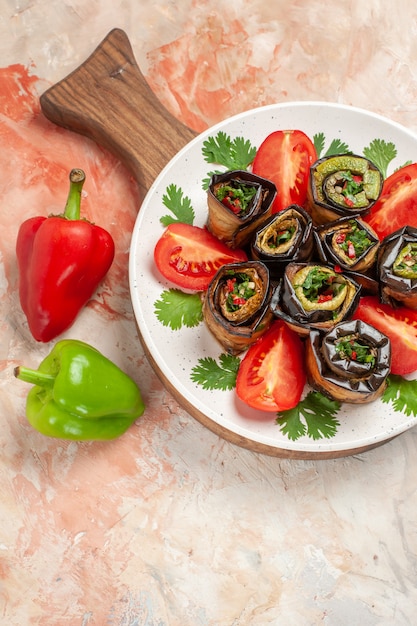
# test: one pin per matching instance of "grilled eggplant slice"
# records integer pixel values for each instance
(350, 363)
(238, 201)
(236, 306)
(397, 268)
(314, 296)
(286, 236)
(342, 185)
(347, 242)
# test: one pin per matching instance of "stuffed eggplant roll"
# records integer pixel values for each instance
(314, 296)
(237, 202)
(347, 242)
(236, 306)
(286, 236)
(397, 268)
(342, 185)
(350, 363)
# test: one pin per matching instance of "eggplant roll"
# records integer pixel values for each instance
(236, 306)
(286, 236)
(342, 185)
(314, 296)
(397, 268)
(350, 363)
(348, 242)
(237, 202)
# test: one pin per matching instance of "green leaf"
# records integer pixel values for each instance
(180, 206)
(314, 416)
(206, 181)
(319, 141)
(381, 153)
(177, 309)
(211, 374)
(236, 154)
(336, 146)
(402, 393)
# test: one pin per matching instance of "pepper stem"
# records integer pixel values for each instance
(72, 207)
(35, 377)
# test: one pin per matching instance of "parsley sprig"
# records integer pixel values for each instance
(402, 394)
(179, 205)
(314, 416)
(177, 309)
(381, 153)
(211, 374)
(233, 154)
(336, 146)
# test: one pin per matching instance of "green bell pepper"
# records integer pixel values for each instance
(79, 394)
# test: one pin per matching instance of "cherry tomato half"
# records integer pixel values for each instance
(285, 157)
(400, 325)
(189, 256)
(272, 374)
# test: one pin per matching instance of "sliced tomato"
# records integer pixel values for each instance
(189, 256)
(397, 204)
(285, 157)
(400, 325)
(272, 375)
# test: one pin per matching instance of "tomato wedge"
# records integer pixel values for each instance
(189, 256)
(400, 325)
(285, 157)
(397, 205)
(272, 374)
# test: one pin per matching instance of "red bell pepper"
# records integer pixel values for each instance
(61, 260)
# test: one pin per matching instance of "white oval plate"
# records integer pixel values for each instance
(174, 353)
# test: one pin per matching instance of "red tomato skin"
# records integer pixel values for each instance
(285, 157)
(272, 373)
(400, 325)
(189, 256)
(397, 205)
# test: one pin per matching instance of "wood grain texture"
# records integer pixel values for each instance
(107, 99)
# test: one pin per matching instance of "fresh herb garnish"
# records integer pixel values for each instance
(314, 416)
(336, 146)
(179, 205)
(402, 394)
(177, 309)
(211, 374)
(233, 154)
(381, 153)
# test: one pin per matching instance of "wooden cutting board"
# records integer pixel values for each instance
(108, 100)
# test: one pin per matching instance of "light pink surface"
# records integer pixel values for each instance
(170, 525)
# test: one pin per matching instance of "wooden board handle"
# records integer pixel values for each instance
(108, 99)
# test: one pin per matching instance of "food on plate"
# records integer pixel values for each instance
(237, 202)
(286, 236)
(236, 305)
(189, 256)
(350, 363)
(61, 261)
(396, 207)
(271, 375)
(342, 185)
(79, 394)
(397, 268)
(285, 157)
(314, 296)
(347, 242)
(399, 324)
